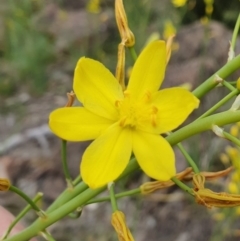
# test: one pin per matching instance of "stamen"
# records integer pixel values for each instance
(126, 93)
(147, 96)
(122, 121)
(117, 103)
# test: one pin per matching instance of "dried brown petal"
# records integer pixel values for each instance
(150, 187)
(119, 224)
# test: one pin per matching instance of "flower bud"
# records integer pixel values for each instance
(4, 184)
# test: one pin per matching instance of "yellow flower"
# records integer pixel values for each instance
(123, 122)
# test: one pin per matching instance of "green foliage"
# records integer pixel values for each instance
(26, 50)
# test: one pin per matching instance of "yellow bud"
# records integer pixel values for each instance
(238, 211)
(4, 184)
(224, 158)
(94, 6)
(126, 34)
(233, 187)
(234, 130)
(179, 3)
(119, 224)
(218, 216)
(209, 9)
(169, 30)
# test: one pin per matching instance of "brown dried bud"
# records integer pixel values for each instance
(209, 198)
(120, 70)
(126, 34)
(150, 187)
(119, 224)
(71, 98)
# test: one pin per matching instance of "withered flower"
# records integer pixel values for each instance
(211, 199)
(119, 224)
(71, 98)
(150, 187)
(209, 176)
(126, 34)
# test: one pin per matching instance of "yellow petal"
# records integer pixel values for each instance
(97, 88)
(149, 70)
(174, 106)
(77, 124)
(106, 158)
(154, 155)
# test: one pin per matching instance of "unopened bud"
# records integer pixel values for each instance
(4, 184)
(126, 34)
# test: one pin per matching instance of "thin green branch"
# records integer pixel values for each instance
(21, 215)
(112, 197)
(65, 165)
(188, 158)
(119, 195)
(235, 33)
(219, 104)
(133, 53)
(183, 186)
(231, 138)
(224, 72)
(228, 85)
(28, 200)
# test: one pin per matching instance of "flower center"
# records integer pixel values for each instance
(134, 113)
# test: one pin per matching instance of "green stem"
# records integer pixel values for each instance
(28, 200)
(219, 104)
(183, 186)
(235, 33)
(228, 85)
(66, 208)
(70, 204)
(231, 138)
(224, 72)
(112, 197)
(65, 165)
(188, 158)
(67, 195)
(21, 215)
(204, 124)
(77, 180)
(133, 53)
(119, 195)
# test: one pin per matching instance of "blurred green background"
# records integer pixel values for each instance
(37, 37)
